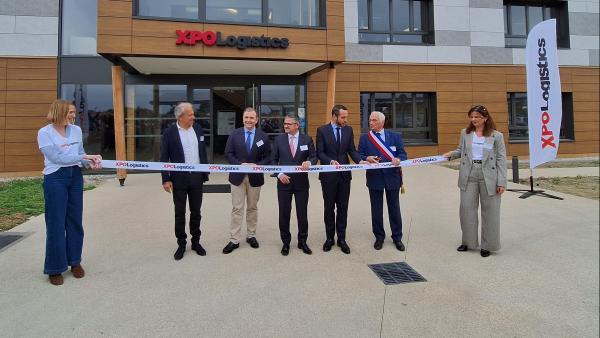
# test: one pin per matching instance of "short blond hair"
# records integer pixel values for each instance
(58, 111)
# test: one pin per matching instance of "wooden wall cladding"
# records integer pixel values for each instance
(457, 88)
(27, 87)
(119, 33)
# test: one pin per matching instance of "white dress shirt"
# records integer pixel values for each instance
(477, 146)
(189, 141)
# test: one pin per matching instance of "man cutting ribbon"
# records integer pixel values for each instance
(379, 145)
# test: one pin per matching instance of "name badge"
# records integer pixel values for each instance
(393, 148)
(259, 143)
(488, 146)
(201, 138)
(303, 147)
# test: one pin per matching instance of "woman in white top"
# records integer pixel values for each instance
(62, 146)
(482, 177)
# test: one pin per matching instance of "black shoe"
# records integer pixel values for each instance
(344, 246)
(378, 245)
(179, 253)
(304, 247)
(327, 245)
(285, 250)
(253, 242)
(484, 253)
(199, 249)
(230, 247)
(462, 247)
(399, 246)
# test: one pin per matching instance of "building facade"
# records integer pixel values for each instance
(126, 63)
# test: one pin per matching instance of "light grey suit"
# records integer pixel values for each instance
(479, 182)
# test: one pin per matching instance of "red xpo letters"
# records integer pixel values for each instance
(547, 135)
(191, 37)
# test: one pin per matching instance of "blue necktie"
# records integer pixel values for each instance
(339, 137)
(248, 141)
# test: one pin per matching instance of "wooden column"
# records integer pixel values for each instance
(119, 118)
(331, 78)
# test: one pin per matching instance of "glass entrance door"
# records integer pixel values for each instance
(228, 107)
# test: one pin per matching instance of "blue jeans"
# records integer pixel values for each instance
(63, 194)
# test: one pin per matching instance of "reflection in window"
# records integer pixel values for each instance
(410, 113)
(79, 27)
(294, 12)
(149, 112)
(234, 10)
(95, 116)
(182, 9)
(518, 117)
(395, 21)
(277, 101)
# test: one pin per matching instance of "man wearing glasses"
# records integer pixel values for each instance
(292, 148)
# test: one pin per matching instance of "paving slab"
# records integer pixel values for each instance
(544, 280)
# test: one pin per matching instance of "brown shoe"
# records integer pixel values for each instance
(77, 271)
(56, 279)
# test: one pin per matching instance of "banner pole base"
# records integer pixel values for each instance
(531, 192)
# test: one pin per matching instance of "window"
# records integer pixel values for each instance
(520, 17)
(295, 12)
(413, 114)
(395, 21)
(234, 10)
(517, 117)
(95, 116)
(304, 13)
(78, 36)
(181, 9)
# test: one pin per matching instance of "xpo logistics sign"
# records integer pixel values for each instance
(210, 38)
(544, 102)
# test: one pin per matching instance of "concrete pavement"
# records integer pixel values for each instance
(544, 281)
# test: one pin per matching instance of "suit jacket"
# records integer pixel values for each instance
(236, 153)
(283, 156)
(171, 150)
(328, 150)
(388, 178)
(493, 163)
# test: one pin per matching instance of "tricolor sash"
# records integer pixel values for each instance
(383, 148)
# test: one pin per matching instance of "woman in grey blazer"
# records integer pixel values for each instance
(482, 177)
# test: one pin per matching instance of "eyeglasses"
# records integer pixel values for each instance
(289, 124)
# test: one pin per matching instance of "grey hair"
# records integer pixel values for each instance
(380, 115)
(250, 109)
(180, 108)
(293, 117)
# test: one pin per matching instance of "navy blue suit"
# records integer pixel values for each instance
(388, 180)
(185, 184)
(236, 153)
(336, 185)
(298, 186)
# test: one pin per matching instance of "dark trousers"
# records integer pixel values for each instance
(336, 193)
(188, 187)
(284, 197)
(63, 195)
(393, 205)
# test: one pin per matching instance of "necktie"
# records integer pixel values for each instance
(248, 141)
(338, 136)
(292, 148)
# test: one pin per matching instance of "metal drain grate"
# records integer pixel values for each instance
(8, 239)
(396, 273)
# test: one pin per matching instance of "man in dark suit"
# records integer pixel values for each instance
(379, 145)
(335, 142)
(246, 146)
(292, 148)
(183, 142)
